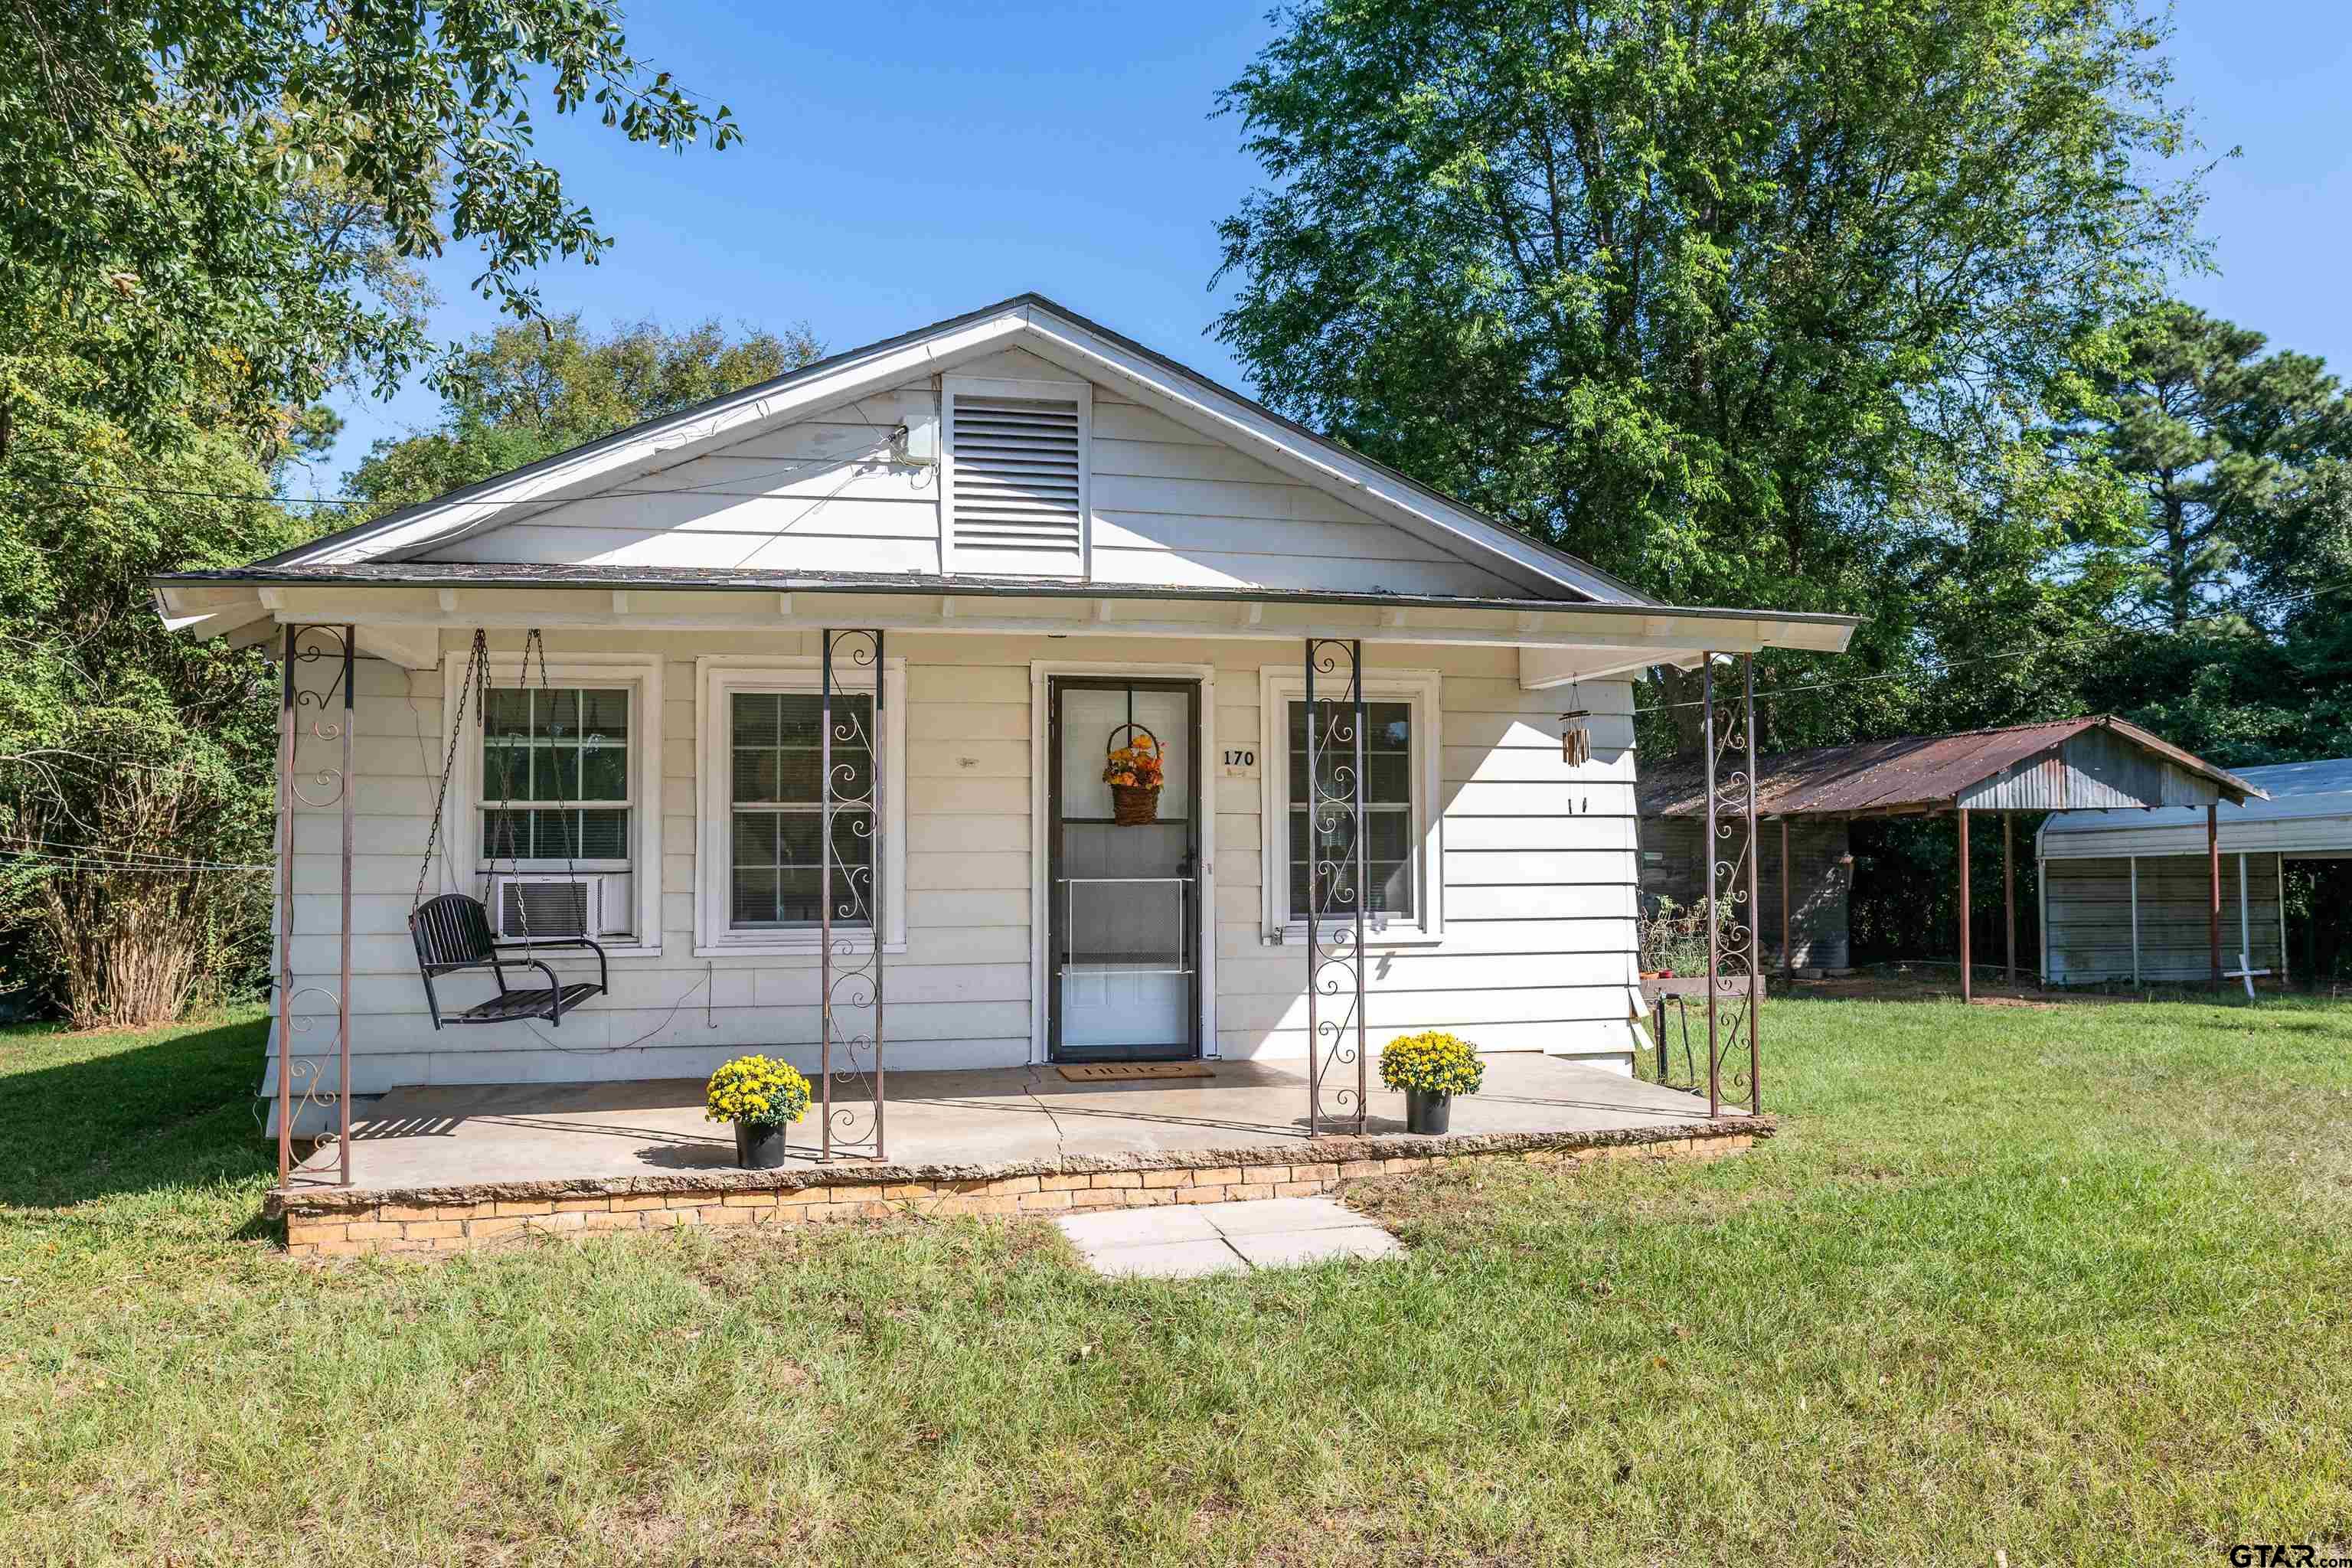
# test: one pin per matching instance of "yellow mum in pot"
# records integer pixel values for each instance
(762, 1096)
(1431, 1068)
(758, 1092)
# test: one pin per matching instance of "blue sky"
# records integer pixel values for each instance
(909, 163)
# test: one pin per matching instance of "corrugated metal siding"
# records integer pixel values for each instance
(1670, 868)
(2296, 838)
(2096, 769)
(1929, 772)
(2309, 813)
(2090, 916)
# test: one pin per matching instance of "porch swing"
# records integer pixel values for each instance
(452, 931)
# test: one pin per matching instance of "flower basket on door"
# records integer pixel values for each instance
(1135, 769)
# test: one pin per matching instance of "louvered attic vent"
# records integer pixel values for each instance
(1016, 491)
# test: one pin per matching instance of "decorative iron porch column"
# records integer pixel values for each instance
(852, 840)
(300, 1075)
(1338, 884)
(1734, 976)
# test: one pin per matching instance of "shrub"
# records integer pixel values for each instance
(1434, 1062)
(121, 890)
(1673, 938)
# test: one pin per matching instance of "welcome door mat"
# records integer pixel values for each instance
(1101, 1072)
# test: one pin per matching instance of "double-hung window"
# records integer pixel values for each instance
(555, 777)
(777, 750)
(1324, 865)
(555, 799)
(1312, 827)
(761, 759)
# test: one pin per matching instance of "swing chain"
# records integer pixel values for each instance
(533, 643)
(474, 686)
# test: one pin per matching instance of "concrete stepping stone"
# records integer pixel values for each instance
(1140, 1227)
(1167, 1259)
(1295, 1248)
(1183, 1243)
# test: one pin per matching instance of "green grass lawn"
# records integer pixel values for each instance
(2068, 1286)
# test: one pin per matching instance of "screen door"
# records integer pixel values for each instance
(1123, 962)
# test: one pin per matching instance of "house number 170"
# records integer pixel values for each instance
(1239, 760)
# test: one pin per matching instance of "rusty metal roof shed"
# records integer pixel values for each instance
(2068, 764)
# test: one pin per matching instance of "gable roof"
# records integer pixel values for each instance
(1911, 772)
(1028, 321)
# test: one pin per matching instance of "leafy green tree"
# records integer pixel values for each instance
(1743, 300)
(136, 766)
(521, 393)
(218, 203)
(2237, 457)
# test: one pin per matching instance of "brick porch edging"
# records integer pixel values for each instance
(332, 1221)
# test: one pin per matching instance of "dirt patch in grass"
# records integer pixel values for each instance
(1941, 982)
(1662, 1191)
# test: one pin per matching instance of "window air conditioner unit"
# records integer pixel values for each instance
(590, 904)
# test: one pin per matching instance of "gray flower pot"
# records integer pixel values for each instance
(1427, 1111)
(760, 1145)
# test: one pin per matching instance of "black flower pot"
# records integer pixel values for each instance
(1427, 1111)
(760, 1145)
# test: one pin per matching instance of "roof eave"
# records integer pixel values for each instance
(396, 595)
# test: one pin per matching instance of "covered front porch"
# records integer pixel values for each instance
(464, 1136)
(443, 1167)
(1536, 816)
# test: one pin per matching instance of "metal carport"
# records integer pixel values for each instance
(2118, 886)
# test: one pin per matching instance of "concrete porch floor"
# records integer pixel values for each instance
(448, 1136)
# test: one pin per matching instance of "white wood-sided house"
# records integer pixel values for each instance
(1016, 533)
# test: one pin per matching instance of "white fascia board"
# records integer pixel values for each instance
(1327, 468)
(579, 473)
(1589, 632)
(410, 647)
(1544, 662)
(182, 599)
(1542, 668)
(218, 623)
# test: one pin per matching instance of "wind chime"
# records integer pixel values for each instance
(1575, 735)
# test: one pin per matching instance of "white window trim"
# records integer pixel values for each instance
(953, 386)
(717, 677)
(461, 827)
(1041, 675)
(1278, 687)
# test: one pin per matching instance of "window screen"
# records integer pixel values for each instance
(1388, 813)
(777, 807)
(555, 774)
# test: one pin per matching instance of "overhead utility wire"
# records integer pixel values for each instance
(128, 857)
(1943, 668)
(709, 489)
(187, 868)
(822, 462)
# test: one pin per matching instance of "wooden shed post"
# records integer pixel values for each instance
(1968, 978)
(2214, 886)
(2278, 881)
(1788, 875)
(2009, 889)
(2245, 925)
(2133, 866)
